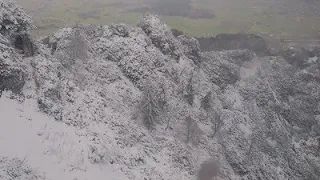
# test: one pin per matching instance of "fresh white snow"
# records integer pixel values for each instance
(49, 146)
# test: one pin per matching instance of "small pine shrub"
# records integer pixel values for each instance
(212, 114)
(162, 98)
(150, 108)
(216, 122)
(189, 92)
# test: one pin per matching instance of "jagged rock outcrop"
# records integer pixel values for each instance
(257, 117)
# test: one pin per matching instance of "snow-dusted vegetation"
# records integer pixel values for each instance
(135, 102)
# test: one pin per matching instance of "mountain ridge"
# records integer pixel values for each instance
(257, 116)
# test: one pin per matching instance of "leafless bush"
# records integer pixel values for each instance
(208, 170)
(168, 122)
(250, 152)
(192, 130)
(212, 114)
(77, 49)
(206, 102)
(189, 91)
(216, 122)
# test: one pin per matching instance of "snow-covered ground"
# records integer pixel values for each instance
(88, 92)
(45, 144)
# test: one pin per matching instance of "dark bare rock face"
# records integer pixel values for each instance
(254, 117)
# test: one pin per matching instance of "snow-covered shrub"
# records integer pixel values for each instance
(11, 78)
(12, 18)
(15, 24)
(12, 74)
(191, 48)
(17, 169)
(161, 35)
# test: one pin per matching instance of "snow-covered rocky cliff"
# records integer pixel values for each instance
(135, 102)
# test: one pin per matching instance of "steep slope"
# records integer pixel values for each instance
(142, 103)
(34, 146)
